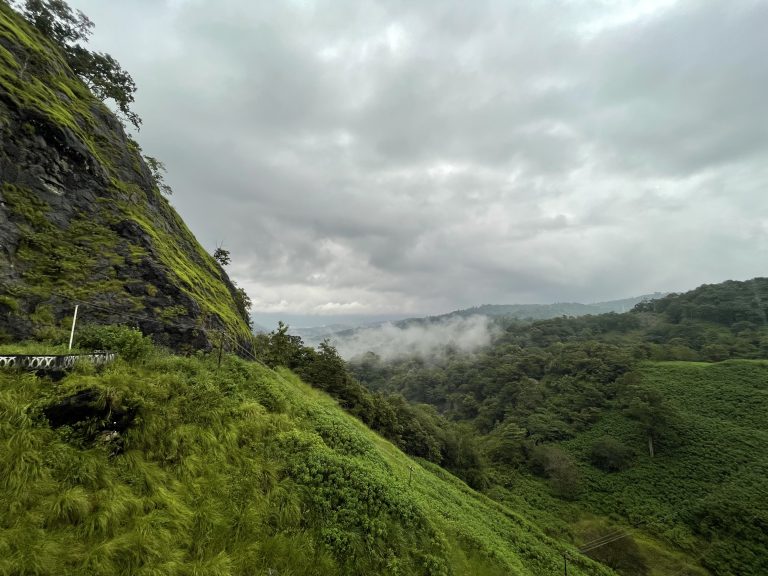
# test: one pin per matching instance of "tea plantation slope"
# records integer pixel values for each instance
(234, 471)
(81, 216)
(705, 490)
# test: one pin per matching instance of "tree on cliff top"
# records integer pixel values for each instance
(99, 71)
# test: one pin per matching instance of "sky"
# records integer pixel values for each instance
(366, 159)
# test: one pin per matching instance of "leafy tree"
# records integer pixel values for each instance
(99, 71)
(558, 466)
(283, 349)
(222, 256)
(158, 174)
(715, 352)
(326, 369)
(610, 455)
(106, 79)
(55, 19)
(648, 408)
(505, 443)
(244, 304)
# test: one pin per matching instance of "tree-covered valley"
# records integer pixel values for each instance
(649, 423)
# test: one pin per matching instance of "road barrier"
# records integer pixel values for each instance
(54, 361)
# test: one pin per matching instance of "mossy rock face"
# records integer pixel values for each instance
(81, 218)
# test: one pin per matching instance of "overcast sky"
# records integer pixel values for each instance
(414, 157)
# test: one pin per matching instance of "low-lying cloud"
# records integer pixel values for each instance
(425, 339)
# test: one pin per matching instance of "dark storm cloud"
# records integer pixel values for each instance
(387, 157)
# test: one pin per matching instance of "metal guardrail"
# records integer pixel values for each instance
(54, 361)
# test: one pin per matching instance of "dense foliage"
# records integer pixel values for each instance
(704, 491)
(574, 400)
(180, 466)
(417, 429)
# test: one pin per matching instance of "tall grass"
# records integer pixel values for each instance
(233, 470)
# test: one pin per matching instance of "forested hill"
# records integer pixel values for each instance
(368, 333)
(83, 214)
(545, 311)
(622, 416)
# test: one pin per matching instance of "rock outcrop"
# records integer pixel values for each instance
(82, 219)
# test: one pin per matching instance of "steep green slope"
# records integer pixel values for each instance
(706, 489)
(81, 215)
(233, 470)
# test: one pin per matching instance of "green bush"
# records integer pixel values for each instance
(128, 342)
(610, 455)
(559, 467)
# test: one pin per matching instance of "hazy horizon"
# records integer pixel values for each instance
(306, 321)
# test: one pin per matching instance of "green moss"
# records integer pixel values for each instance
(76, 261)
(47, 84)
(10, 303)
(43, 314)
(25, 205)
(171, 313)
(80, 260)
(194, 269)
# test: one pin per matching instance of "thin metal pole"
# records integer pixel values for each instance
(72, 333)
(565, 560)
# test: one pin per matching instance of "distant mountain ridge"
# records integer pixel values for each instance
(557, 309)
(339, 332)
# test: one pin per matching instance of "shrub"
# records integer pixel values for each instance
(610, 455)
(558, 466)
(130, 343)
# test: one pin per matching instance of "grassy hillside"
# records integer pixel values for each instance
(232, 470)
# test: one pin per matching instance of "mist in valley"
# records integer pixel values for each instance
(425, 338)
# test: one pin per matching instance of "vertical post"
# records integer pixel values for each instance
(221, 345)
(72, 333)
(410, 475)
(565, 563)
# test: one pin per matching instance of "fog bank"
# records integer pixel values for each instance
(424, 338)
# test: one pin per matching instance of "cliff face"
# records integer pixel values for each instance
(82, 220)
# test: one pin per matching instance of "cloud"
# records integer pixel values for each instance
(388, 341)
(399, 157)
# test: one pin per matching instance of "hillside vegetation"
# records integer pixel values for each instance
(546, 311)
(177, 466)
(706, 491)
(630, 443)
(650, 422)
